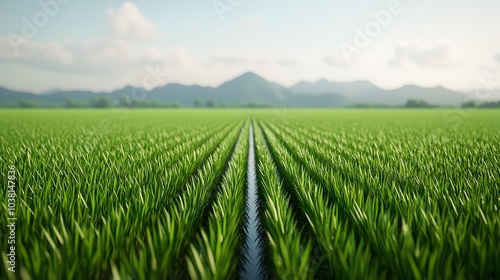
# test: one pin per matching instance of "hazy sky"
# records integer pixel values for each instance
(104, 45)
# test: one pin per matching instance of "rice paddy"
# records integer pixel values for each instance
(164, 194)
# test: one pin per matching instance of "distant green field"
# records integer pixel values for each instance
(161, 194)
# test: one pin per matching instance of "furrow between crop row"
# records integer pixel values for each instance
(253, 250)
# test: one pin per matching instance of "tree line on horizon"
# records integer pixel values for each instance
(111, 103)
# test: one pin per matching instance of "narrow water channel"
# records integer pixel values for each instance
(253, 251)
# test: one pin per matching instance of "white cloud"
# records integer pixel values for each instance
(245, 60)
(441, 53)
(96, 58)
(228, 58)
(287, 62)
(36, 53)
(262, 62)
(128, 23)
(336, 57)
(333, 60)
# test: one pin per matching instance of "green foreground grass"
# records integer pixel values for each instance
(156, 194)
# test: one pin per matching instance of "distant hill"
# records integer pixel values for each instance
(247, 89)
(362, 92)
(324, 86)
(251, 88)
(51, 91)
(8, 96)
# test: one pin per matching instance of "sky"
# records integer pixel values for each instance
(106, 45)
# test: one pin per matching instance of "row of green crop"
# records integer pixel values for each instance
(105, 218)
(341, 254)
(374, 178)
(395, 237)
(217, 251)
(287, 252)
(95, 206)
(156, 199)
(464, 166)
(161, 253)
(472, 244)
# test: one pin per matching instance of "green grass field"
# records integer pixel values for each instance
(161, 194)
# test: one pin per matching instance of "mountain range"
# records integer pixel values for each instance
(251, 89)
